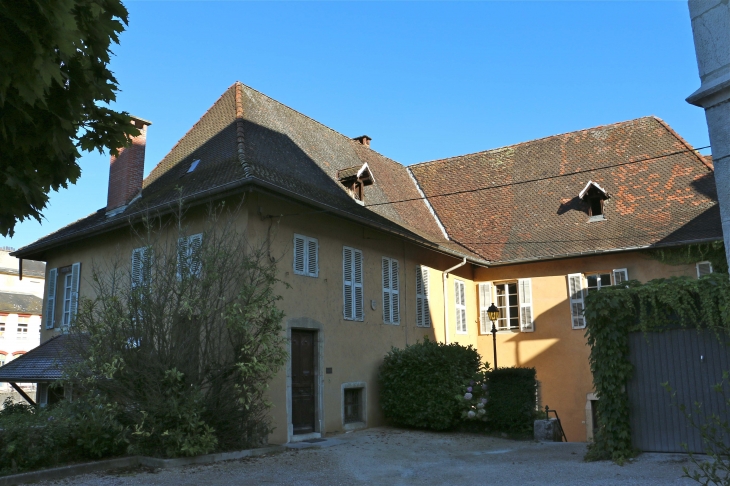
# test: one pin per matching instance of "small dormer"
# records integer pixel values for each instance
(594, 196)
(355, 179)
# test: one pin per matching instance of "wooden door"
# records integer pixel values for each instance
(303, 386)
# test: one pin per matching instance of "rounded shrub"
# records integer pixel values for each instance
(512, 403)
(419, 384)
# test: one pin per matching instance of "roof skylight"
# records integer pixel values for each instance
(193, 166)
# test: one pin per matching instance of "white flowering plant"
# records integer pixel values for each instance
(473, 399)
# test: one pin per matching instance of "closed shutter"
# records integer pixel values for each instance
(524, 290)
(357, 274)
(348, 284)
(703, 268)
(386, 290)
(312, 257)
(299, 250)
(485, 300)
(182, 257)
(195, 245)
(75, 281)
(137, 274)
(575, 288)
(620, 275)
(423, 313)
(51, 298)
(394, 291)
(460, 300)
(391, 301)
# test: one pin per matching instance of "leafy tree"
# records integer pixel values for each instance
(54, 58)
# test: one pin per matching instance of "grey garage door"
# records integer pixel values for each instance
(692, 362)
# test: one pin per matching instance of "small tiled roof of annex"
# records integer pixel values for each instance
(43, 363)
(248, 138)
(520, 202)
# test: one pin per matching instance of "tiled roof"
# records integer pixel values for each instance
(521, 202)
(17, 303)
(43, 363)
(249, 138)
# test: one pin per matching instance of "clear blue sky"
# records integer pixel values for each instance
(425, 79)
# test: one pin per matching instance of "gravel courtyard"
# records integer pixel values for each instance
(393, 456)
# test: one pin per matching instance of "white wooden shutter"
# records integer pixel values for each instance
(460, 305)
(312, 257)
(387, 315)
(299, 250)
(524, 291)
(575, 288)
(51, 298)
(182, 257)
(703, 268)
(394, 292)
(620, 275)
(75, 281)
(195, 245)
(348, 284)
(485, 300)
(357, 284)
(138, 261)
(423, 313)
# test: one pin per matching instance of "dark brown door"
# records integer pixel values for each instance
(302, 381)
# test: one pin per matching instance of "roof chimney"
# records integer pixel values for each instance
(363, 139)
(126, 171)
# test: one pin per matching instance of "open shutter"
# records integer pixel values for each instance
(387, 316)
(460, 299)
(312, 257)
(357, 284)
(137, 274)
(299, 245)
(195, 244)
(524, 286)
(75, 281)
(485, 300)
(347, 283)
(703, 268)
(423, 313)
(575, 287)
(394, 292)
(51, 298)
(620, 275)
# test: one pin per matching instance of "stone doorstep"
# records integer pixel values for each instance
(131, 461)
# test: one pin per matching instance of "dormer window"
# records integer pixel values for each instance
(355, 179)
(594, 196)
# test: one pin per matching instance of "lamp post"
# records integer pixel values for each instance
(493, 314)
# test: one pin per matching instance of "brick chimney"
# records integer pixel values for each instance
(363, 139)
(126, 170)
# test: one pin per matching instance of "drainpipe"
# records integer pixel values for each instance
(446, 299)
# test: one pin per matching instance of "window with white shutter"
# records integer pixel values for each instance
(620, 275)
(525, 294)
(51, 298)
(703, 268)
(352, 284)
(391, 298)
(575, 289)
(188, 255)
(71, 280)
(485, 300)
(306, 258)
(460, 305)
(423, 312)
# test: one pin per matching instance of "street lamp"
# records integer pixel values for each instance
(493, 314)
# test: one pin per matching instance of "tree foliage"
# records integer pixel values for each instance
(54, 58)
(613, 313)
(188, 352)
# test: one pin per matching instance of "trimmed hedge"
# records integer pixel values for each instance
(419, 385)
(512, 403)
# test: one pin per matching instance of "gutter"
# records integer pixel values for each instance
(446, 299)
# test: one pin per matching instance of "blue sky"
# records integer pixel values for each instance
(424, 79)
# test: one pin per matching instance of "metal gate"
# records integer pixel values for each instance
(691, 362)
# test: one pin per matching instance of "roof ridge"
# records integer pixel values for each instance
(315, 121)
(689, 146)
(147, 181)
(240, 132)
(503, 147)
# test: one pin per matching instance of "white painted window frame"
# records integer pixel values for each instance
(460, 307)
(699, 272)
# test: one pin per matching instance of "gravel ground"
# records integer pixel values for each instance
(394, 456)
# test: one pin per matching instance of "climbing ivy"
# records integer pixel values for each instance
(613, 313)
(712, 251)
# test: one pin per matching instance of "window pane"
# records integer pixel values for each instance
(605, 279)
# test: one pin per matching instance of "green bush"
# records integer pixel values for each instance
(419, 384)
(512, 400)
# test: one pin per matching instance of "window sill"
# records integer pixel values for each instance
(350, 426)
(593, 219)
(391, 323)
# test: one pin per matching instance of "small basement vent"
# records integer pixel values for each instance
(353, 405)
